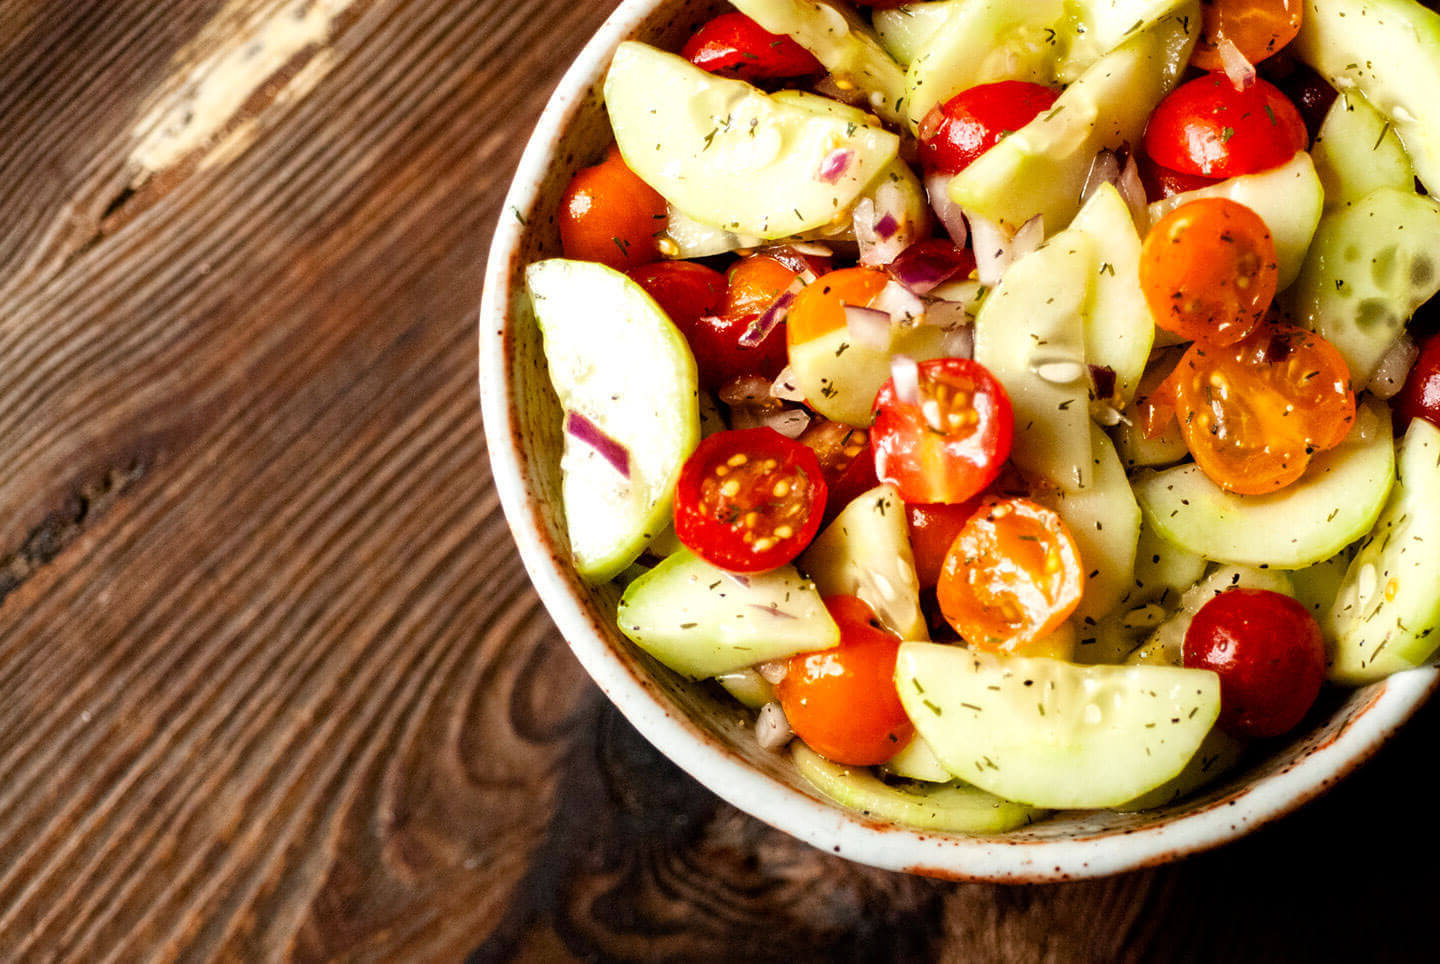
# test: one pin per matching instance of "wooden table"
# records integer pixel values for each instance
(272, 680)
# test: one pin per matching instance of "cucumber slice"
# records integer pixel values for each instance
(731, 156)
(1053, 734)
(866, 552)
(918, 762)
(1371, 265)
(1390, 51)
(842, 42)
(840, 378)
(1166, 645)
(599, 327)
(703, 621)
(1317, 586)
(1218, 753)
(748, 687)
(1387, 612)
(1356, 152)
(905, 31)
(1118, 329)
(1335, 502)
(1288, 198)
(951, 807)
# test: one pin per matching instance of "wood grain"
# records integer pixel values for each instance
(273, 684)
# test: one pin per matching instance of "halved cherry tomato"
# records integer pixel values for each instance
(1268, 653)
(686, 291)
(1208, 270)
(933, 528)
(1420, 396)
(820, 308)
(967, 125)
(1011, 577)
(749, 500)
(751, 287)
(736, 46)
(950, 443)
(1258, 28)
(842, 701)
(1253, 413)
(609, 215)
(845, 460)
(1208, 127)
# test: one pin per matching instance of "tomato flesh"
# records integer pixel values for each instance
(1252, 414)
(749, 500)
(1208, 271)
(967, 125)
(933, 528)
(842, 701)
(949, 443)
(1011, 577)
(715, 335)
(686, 291)
(1257, 28)
(1420, 396)
(1208, 127)
(820, 308)
(845, 461)
(609, 215)
(734, 45)
(1268, 653)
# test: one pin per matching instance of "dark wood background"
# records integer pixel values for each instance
(273, 683)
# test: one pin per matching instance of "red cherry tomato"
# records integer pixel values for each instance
(1420, 396)
(609, 215)
(1253, 413)
(950, 443)
(1208, 271)
(1269, 655)
(686, 291)
(967, 125)
(1011, 577)
(1257, 28)
(1161, 182)
(736, 46)
(1208, 127)
(842, 701)
(845, 461)
(752, 286)
(933, 528)
(749, 500)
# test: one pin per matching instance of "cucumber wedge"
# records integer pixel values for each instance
(703, 621)
(905, 31)
(952, 807)
(1356, 151)
(916, 761)
(598, 328)
(1053, 734)
(1217, 754)
(731, 156)
(1335, 502)
(1119, 332)
(1386, 616)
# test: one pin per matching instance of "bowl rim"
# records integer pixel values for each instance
(824, 825)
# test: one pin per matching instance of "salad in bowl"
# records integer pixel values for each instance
(1023, 416)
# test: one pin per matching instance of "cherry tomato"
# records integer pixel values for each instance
(749, 500)
(1253, 413)
(950, 445)
(1208, 127)
(967, 125)
(820, 308)
(1012, 576)
(1420, 396)
(1208, 270)
(845, 461)
(752, 286)
(736, 46)
(1161, 182)
(686, 291)
(842, 701)
(1268, 653)
(1311, 94)
(1258, 28)
(933, 528)
(609, 215)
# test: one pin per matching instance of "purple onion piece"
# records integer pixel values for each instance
(835, 164)
(921, 268)
(586, 431)
(905, 372)
(1103, 378)
(949, 213)
(759, 329)
(886, 227)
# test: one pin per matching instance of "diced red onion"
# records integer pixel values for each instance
(899, 302)
(1394, 367)
(1237, 67)
(773, 671)
(882, 231)
(759, 329)
(1030, 236)
(772, 729)
(886, 227)
(786, 386)
(1132, 190)
(921, 267)
(958, 342)
(1104, 169)
(906, 375)
(996, 249)
(582, 429)
(868, 327)
(797, 256)
(835, 164)
(949, 213)
(789, 422)
(1102, 379)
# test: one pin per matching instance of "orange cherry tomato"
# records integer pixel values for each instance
(1012, 576)
(820, 308)
(1208, 271)
(1253, 413)
(1258, 28)
(842, 701)
(609, 215)
(933, 528)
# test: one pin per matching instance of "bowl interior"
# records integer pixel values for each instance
(697, 725)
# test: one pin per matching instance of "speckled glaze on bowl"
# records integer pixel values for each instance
(708, 735)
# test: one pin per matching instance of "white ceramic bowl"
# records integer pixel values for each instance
(708, 735)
